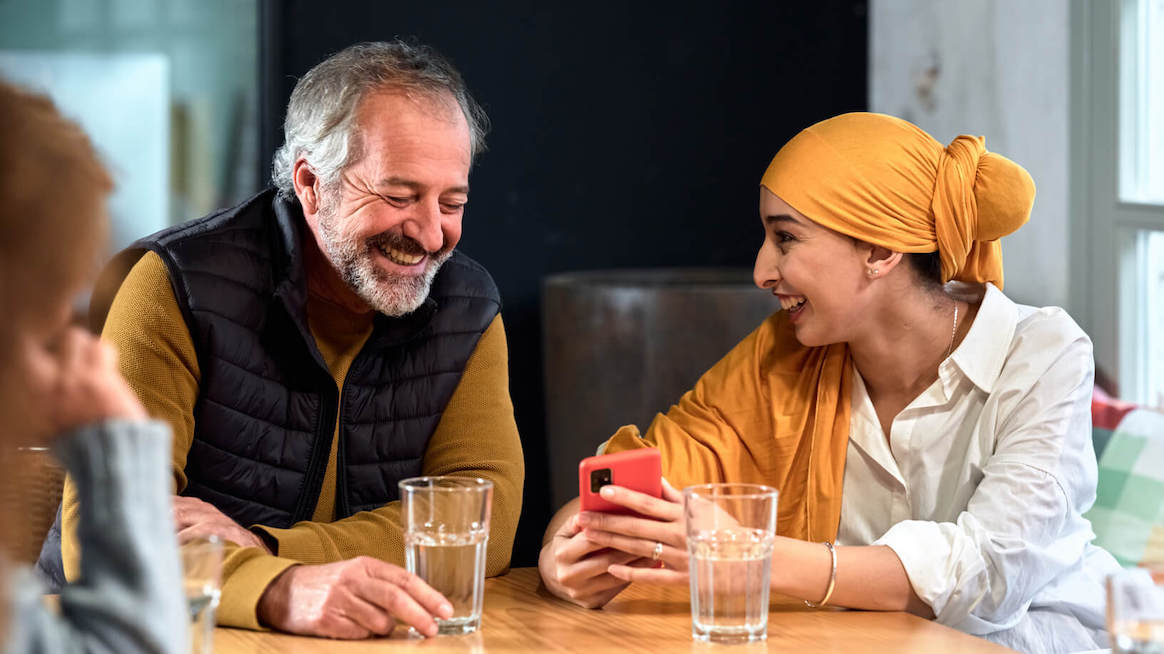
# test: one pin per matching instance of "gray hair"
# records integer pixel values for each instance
(320, 125)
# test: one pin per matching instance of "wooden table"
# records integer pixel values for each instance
(520, 616)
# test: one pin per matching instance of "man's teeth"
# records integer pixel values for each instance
(401, 257)
(790, 303)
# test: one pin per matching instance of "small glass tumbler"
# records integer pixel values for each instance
(446, 532)
(730, 532)
(202, 578)
(1135, 611)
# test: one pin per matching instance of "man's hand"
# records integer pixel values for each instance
(197, 519)
(357, 598)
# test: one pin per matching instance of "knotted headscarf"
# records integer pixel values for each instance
(776, 412)
(885, 181)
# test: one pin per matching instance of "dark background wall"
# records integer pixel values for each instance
(624, 135)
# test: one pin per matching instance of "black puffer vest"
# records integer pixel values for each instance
(266, 408)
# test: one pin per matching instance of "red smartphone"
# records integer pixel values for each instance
(639, 470)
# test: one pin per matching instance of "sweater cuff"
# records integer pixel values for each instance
(300, 545)
(242, 590)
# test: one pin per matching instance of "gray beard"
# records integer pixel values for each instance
(389, 293)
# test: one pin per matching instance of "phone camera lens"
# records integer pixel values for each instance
(599, 478)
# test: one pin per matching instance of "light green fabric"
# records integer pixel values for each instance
(1128, 516)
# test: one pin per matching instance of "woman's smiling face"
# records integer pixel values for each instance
(816, 273)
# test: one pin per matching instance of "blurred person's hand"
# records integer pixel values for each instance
(357, 598)
(196, 519)
(75, 382)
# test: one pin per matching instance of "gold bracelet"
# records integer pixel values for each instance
(832, 579)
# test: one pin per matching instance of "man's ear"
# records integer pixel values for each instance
(881, 260)
(306, 184)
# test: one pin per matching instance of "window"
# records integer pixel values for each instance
(165, 89)
(1141, 175)
(1118, 169)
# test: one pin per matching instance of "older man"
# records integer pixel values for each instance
(322, 341)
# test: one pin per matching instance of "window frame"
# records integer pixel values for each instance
(1104, 227)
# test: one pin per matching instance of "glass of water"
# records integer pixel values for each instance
(202, 578)
(446, 530)
(1135, 611)
(730, 531)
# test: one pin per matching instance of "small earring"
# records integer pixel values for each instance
(873, 271)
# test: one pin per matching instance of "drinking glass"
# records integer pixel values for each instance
(730, 532)
(1135, 611)
(446, 530)
(202, 578)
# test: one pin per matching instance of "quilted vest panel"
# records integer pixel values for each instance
(267, 404)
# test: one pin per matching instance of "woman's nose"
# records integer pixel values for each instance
(765, 273)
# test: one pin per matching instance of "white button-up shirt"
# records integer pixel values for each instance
(981, 484)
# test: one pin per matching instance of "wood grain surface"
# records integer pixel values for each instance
(520, 616)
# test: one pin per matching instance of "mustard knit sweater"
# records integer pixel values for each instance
(476, 436)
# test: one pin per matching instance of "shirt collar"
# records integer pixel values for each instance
(981, 355)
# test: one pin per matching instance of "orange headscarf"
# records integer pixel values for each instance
(776, 412)
(887, 182)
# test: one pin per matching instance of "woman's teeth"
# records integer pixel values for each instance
(792, 303)
(401, 257)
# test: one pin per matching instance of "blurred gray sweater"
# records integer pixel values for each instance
(129, 598)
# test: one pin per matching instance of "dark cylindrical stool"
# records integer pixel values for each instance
(623, 345)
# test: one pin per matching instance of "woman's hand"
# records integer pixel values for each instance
(575, 568)
(78, 383)
(662, 523)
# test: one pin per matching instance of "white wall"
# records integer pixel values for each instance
(210, 54)
(122, 101)
(1000, 69)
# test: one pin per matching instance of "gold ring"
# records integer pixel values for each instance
(658, 552)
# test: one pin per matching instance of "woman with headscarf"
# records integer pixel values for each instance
(908, 412)
(59, 386)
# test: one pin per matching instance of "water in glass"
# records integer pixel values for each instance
(1138, 637)
(202, 599)
(730, 570)
(453, 564)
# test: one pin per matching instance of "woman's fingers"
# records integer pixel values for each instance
(574, 548)
(577, 560)
(582, 571)
(670, 533)
(674, 557)
(570, 527)
(600, 599)
(586, 581)
(671, 494)
(596, 565)
(643, 504)
(649, 575)
(601, 580)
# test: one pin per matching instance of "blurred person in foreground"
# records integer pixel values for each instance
(59, 386)
(907, 410)
(320, 342)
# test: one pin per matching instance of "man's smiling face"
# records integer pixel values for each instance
(394, 215)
